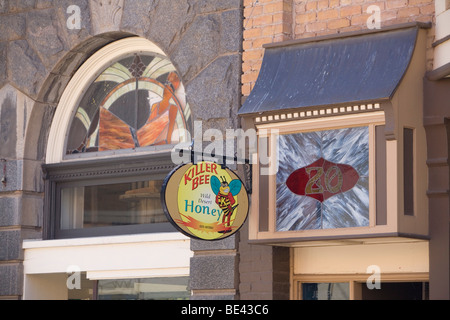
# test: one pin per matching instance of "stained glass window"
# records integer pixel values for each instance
(323, 180)
(138, 101)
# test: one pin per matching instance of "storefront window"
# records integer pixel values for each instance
(325, 291)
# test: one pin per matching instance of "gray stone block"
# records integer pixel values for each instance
(67, 66)
(136, 16)
(21, 5)
(106, 15)
(9, 211)
(206, 6)
(43, 36)
(72, 37)
(38, 131)
(11, 280)
(54, 87)
(43, 4)
(10, 245)
(222, 97)
(218, 296)
(225, 244)
(180, 13)
(231, 36)
(13, 177)
(33, 180)
(4, 6)
(213, 272)
(199, 46)
(31, 212)
(23, 210)
(3, 69)
(25, 67)
(8, 125)
(13, 27)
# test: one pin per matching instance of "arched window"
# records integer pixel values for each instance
(138, 101)
(110, 141)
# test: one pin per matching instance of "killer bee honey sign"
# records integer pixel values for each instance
(205, 201)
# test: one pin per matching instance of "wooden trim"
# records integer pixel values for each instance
(318, 112)
(372, 177)
(329, 123)
(361, 277)
(355, 281)
(442, 40)
(439, 73)
(371, 120)
(254, 208)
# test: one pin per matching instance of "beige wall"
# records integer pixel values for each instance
(409, 257)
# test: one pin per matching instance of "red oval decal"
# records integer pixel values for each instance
(322, 180)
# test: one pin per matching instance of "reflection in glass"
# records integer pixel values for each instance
(111, 205)
(167, 288)
(174, 288)
(138, 101)
(326, 291)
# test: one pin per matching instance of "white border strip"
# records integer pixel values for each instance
(319, 112)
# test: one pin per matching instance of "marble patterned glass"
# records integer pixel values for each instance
(323, 180)
(138, 101)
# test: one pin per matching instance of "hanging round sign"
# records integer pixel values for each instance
(205, 200)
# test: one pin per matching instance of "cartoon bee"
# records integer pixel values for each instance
(225, 193)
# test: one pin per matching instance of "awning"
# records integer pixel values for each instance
(350, 68)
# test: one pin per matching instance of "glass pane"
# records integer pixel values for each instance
(397, 291)
(111, 205)
(175, 288)
(326, 291)
(138, 101)
(323, 180)
(408, 171)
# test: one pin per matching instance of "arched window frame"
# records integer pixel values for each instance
(98, 168)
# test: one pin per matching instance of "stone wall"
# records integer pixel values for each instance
(43, 42)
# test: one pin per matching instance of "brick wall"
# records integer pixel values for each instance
(264, 271)
(267, 21)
